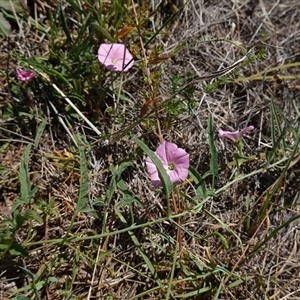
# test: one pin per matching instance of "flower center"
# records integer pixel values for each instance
(114, 61)
(171, 166)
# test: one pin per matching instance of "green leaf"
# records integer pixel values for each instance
(39, 285)
(90, 211)
(12, 5)
(24, 178)
(195, 175)
(199, 183)
(26, 193)
(99, 201)
(116, 172)
(195, 293)
(139, 247)
(111, 188)
(115, 182)
(32, 214)
(4, 25)
(212, 149)
(222, 238)
(63, 22)
(18, 221)
(273, 234)
(121, 185)
(164, 177)
(240, 281)
(84, 183)
(277, 123)
(27, 272)
(226, 227)
(103, 32)
(40, 131)
(17, 250)
(128, 199)
(82, 204)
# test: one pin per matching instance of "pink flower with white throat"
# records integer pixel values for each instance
(175, 161)
(235, 136)
(24, 75)
(115, 57)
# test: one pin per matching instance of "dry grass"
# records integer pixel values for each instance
(100, 257)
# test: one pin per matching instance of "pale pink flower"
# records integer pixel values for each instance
(24, 75)
(115, 57)
(235, 135)
(175, 161)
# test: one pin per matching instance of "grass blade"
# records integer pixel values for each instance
(164, 177)
(138, 246)
(272, 234)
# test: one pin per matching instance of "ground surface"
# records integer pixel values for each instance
(240, 243)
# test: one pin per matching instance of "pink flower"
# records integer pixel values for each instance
(235, 135)
(24, 75)
(175, 161)
(115, 57)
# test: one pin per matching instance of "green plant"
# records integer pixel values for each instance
(8, 11)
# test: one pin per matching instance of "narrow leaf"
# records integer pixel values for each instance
(40, 131)
(222, 238)
(82, 204)
(45, 282)
(145, 106)
(27, 272)
(195, 175)
(117, 171)
(4, 25)
(212, 149)
(17, 250)
(26, 193)
(124, 31)
(164, 177)
(159, 59)
(12, 5)
(273, 234)
(112, 186)
(139, 247)
(128, 199)
(64, 23)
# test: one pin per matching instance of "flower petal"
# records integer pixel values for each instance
(112, 57)
(169, 154)
(235, 135)
(24, 75)
(152, 170)
(171, 150)
(104, 52)
(245, 130)
(181, 159)
(161, 152)
(178, 175)
(150, 166)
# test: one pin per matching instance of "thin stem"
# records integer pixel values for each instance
(153, 96)
(174, 203)
(70, 227)
(179, 231)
